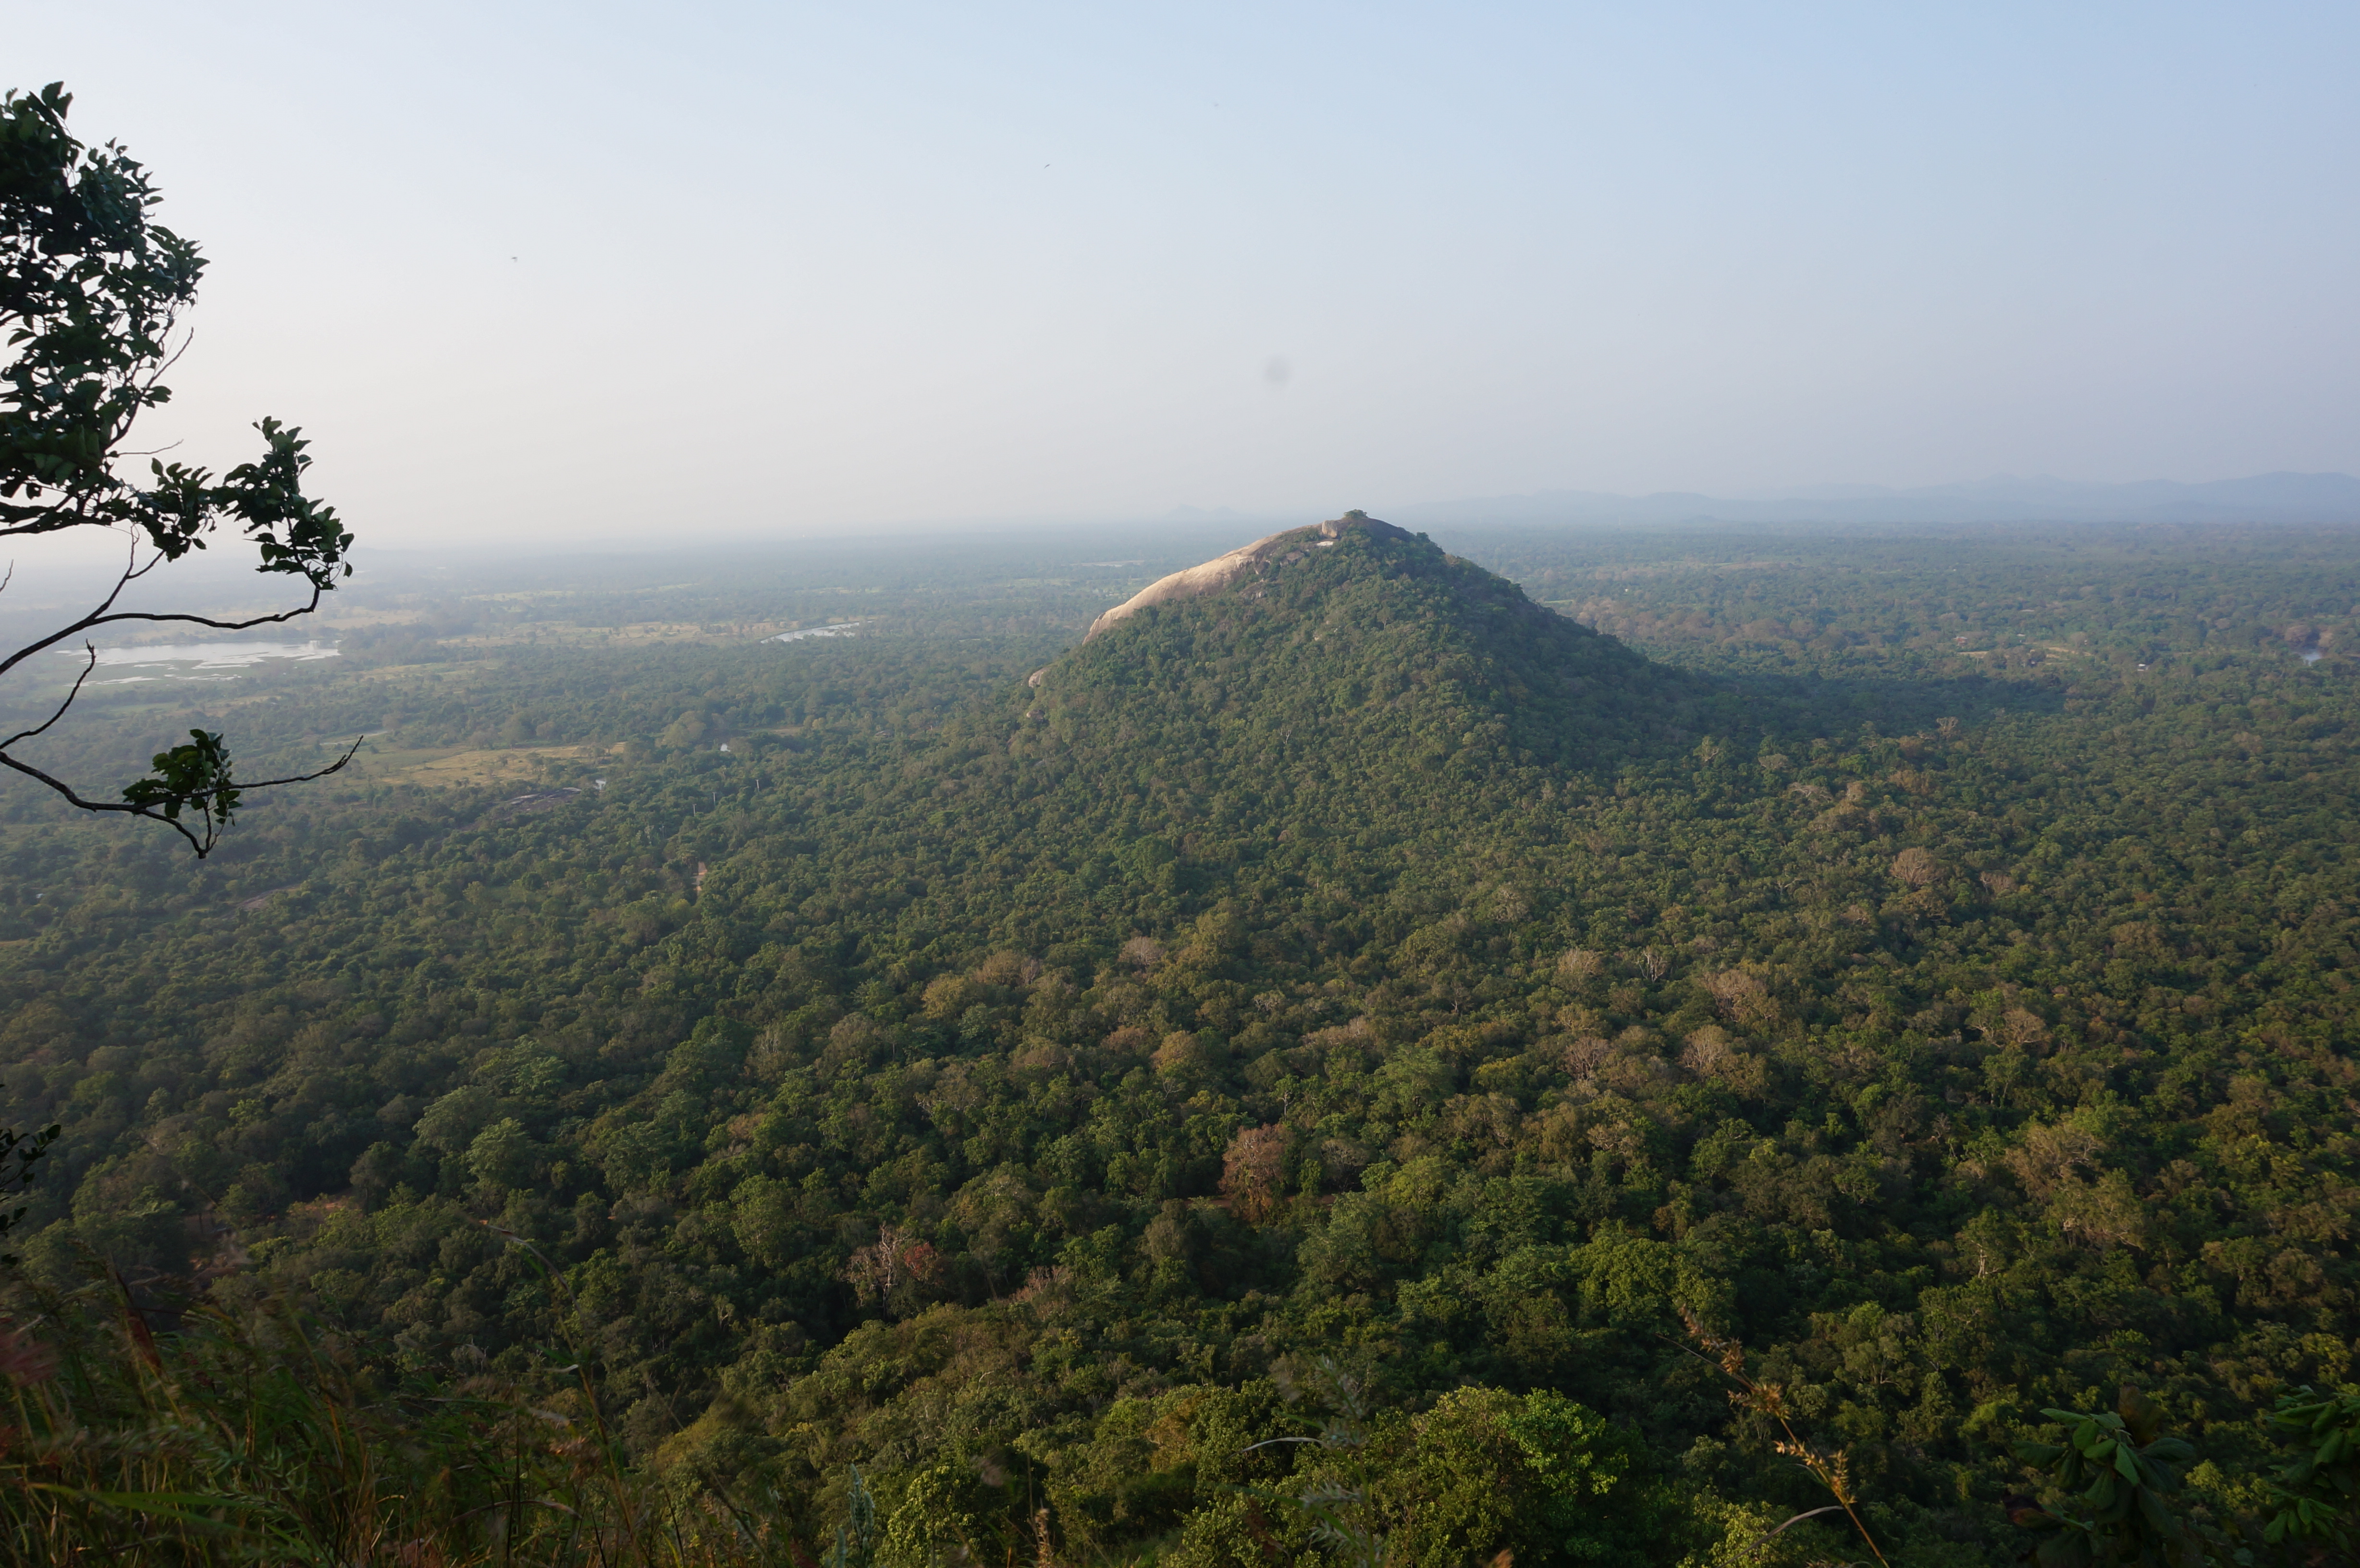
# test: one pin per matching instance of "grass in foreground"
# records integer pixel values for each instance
(254, 1437)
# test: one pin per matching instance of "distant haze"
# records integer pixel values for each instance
(2262, 498)
(533, 273)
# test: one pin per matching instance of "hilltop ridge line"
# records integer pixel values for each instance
(1212, 576)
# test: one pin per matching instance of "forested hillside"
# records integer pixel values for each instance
(1339, 1058)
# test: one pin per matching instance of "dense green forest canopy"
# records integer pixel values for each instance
(1376, 1000)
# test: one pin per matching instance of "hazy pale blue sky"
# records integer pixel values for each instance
(699, 269)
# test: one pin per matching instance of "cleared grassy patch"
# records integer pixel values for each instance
(459, 767)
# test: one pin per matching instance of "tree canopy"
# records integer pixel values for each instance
(1303, 1066)
(91, 292)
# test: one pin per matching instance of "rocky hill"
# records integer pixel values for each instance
(1249, 562)
(1358, 654)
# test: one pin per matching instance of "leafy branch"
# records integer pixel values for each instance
(2121, 1467)
(196, 773)
(91, 291)
(1832, 1468)
(2317, 1492)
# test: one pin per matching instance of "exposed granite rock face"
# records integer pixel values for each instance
(1250, 560)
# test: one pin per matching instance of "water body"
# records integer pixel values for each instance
(199, 660)
(841, 629)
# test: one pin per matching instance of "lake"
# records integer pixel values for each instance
(199, 660)
(841, 629)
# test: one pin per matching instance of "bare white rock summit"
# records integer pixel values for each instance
(1249, 561)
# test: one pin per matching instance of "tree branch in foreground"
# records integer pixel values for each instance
(196, 774)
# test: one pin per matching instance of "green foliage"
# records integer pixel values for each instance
(856, 1538)
(1537, 1476)
(2318, 1491)
(195, 774)
(2120, 1469)
(1026, 1086)
(90, 290)
(90, 293)
(933, 1522)
(248, 1434)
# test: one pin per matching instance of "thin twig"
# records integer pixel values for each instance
(88, 665)
(350, 752)
(103, 617)
(1799, 1519)
(1770, 1401)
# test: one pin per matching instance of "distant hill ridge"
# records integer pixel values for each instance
(2264, 498)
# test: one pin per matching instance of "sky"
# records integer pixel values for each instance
(532, 273)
